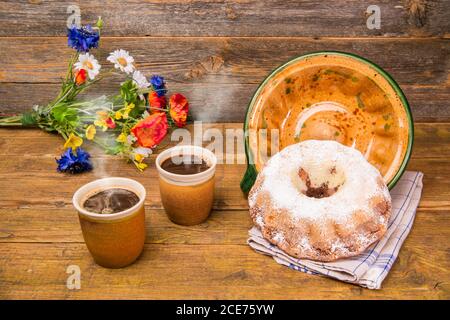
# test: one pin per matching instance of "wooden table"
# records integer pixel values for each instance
(216, 53)
(40, 235)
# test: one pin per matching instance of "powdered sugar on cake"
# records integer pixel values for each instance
(320, 200)
(354, 194)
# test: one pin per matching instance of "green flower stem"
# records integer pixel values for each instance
(83, 111)
(62, 98)
(67, 81)
(71, 63)
(101, 144)
(11, 121)
(64, 135)
(161, 109)
(89, 117)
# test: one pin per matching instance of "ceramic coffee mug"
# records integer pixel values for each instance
(187, 198)
(114, 240)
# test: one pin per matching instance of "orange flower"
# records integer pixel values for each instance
(155, 101)
(80, 77)
(151, 131)
(179, 108)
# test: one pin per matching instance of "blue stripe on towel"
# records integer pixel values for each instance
(302, 269)
(371, 251)
(388, 265)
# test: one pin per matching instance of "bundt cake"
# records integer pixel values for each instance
(320, 200)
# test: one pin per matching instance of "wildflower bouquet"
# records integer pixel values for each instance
(129, 124)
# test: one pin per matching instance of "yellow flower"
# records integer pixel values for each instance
(122, 138)
(73, 142)
(139, 157)
(90, 132)
(101, 121)
(140, 165)
(101, 124)
(118, 115)
(127, 110)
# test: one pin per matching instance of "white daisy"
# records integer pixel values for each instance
(140, 80)
(143, 151)
(88, 62)
(131, 139)
(140, 153)
(122, 60)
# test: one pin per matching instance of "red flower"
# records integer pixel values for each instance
(110, 123)
(155, 101)
(151, 131)
(80, 77)
(179, 108)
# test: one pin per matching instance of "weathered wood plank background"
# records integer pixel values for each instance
(315, 18)
(217, 52)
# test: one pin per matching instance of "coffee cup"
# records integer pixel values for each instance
(115, 240)
(187, 191)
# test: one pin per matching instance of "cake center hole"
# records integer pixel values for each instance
(320, 182)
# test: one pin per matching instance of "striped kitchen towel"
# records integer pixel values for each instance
(370, 268)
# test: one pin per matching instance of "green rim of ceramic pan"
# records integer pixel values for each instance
(251, 173)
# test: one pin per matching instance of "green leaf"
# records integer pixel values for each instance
(129, 91)
(58, 112)
(137, 111)
(64, 116)
(28, 119)
(71, 115)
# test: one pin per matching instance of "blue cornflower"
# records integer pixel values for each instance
(158, 85)
(82, 39)
(77, 162)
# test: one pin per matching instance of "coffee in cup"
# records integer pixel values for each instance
(112, 219)
(186, 183)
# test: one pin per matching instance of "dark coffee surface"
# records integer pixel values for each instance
(184, 165)
(111, 201)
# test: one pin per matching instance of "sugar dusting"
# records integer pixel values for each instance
(281, 188)
(358, 187)
(279, 237)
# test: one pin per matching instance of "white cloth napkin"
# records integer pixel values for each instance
(370, 268)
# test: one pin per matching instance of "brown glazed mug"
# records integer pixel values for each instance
(114, 240)
(187, 198)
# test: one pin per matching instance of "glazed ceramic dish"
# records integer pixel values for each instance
(330, 96)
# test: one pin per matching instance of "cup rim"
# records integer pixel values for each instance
(113, 182)
(186, 177)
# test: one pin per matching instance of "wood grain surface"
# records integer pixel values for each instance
(229, 17)
(219, 75)
(40, 235)
(216, 52)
